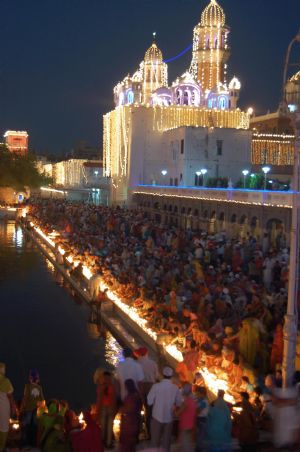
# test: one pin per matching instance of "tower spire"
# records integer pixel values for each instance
(210, 49)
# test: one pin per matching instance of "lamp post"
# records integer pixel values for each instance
(203, 172)
(164, 172)
(198, 174)
(266, 170)
(291, 317)
(245, 174)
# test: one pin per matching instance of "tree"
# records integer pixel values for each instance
(18, 171)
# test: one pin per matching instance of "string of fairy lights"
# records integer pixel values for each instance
(117, 125)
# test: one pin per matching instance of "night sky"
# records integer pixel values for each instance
(59, 59)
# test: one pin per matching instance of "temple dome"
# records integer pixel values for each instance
(295, 78)
(235, 84)
(213, 15)
(153, 54)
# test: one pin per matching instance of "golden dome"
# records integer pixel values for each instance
(295, 78)
(153, 54)
(213, 15)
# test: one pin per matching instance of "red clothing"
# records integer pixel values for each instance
(89, 439)
(130, 422)
(187, 418)
(106, 395)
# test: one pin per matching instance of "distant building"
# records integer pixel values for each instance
(73, 173)
(17, 142)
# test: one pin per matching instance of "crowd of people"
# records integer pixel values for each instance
(220, 299)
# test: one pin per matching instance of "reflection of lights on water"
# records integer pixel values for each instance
(113, 350)
(15, 234)
(10, 229)
(18, 237)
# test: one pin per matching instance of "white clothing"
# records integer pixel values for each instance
(128, 369)
(150, 369)
(163, 396)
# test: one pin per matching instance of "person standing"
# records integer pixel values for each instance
(33, 394)
(202, 413)
(6, 405)
(187, 419)
(151, 376)
(106, 407)
(129, 369)
(163, 397)
(130, 417)
(219, 425)
(247, 425)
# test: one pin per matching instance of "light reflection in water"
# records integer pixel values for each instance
(14, 234)
(18, 237)
(113, 350)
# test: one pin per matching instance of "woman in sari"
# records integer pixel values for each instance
(130, 418)
(53, 435)
(87, 439)
(249, 341)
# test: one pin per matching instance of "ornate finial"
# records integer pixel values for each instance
(154, 36)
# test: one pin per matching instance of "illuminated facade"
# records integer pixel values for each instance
(147, 109)
(16, 142)
(273, 149)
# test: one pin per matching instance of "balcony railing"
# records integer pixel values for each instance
(283, 199)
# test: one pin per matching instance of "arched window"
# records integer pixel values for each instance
(130, 97)
(223, 102)
(178, 95)
(186, 98)
(211, 102)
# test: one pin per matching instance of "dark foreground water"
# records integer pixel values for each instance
(43, 326)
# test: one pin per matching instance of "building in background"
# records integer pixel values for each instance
(160, 133)
(73, 173)
(16, 141)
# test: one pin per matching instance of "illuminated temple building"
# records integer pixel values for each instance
(162, 133)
